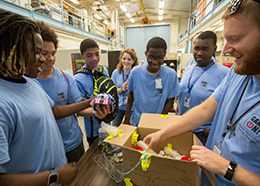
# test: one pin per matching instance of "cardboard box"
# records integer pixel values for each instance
(162, 170)
(171, 56)
(224, 59)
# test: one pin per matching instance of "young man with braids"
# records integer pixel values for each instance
(31, 147)
(233, 146)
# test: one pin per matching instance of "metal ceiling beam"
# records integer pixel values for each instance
(142, 6)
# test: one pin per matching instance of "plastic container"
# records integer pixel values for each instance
(145, 147)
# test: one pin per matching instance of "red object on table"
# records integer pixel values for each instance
(185, 158)
(139, 148)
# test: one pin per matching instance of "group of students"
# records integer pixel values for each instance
(39, 134)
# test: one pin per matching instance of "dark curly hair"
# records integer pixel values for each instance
(156, 42)
(47, 33)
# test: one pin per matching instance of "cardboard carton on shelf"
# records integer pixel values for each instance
(224, 59)
(171, 56)
(162, 170)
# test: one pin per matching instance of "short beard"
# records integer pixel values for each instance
(251, 65)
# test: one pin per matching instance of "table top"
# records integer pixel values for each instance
(89, 173)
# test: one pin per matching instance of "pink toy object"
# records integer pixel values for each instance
(102, 100)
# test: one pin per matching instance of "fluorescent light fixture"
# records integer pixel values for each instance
(105, 22)
(74, 1)
(160, 18)
(132, 20)
(123, 8)
(161, 12)
(161, 4)
(97, 16)
(128, 15)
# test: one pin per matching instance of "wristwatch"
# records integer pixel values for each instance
(230, 171)
(53, 177)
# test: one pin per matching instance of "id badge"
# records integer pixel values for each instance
(125, 99)
(158, 83)
(217, 148)
(187, 102)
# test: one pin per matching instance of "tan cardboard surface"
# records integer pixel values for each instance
(155, 121)
(162, 170)
(120, 140)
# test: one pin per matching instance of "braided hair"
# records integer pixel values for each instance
(15, 32)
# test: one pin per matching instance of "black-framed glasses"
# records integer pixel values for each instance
(235, 4)
(152, 59)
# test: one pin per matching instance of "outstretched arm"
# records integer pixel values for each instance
(192, 119)
(61, 111)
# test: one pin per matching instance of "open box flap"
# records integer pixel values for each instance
(120, 140)
(155, 121)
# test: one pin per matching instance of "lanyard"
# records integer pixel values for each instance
(191, 86)
(230, 126)
(124, 76)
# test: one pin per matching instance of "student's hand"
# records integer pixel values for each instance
(125, 86)
(67, 173)
(126, 121)
(153, 139)
(102, 112)
(209, 159)
(88, 101)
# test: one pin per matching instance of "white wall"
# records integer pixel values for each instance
(183, 23)
(173, 37)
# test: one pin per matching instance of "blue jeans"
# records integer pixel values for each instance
(119, 117)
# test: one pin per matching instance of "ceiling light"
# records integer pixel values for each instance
(128, 15)
(123, 8)
(74, 1)
(105, 22)
(161, 12)
(97, 16)
(160, 18)
(161, 4)
(132, 20)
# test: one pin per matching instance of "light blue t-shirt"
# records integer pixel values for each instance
(203, 87)
(192, 61)
(118, 79)
(85, 85)
(30, 140)
(243, 147)
(148, 99)
(64, 93)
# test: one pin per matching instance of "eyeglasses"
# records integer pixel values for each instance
(152, 59)
(235, 4)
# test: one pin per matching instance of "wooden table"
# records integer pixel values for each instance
(90, 174)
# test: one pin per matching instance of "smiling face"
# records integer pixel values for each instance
(203, 51)
(35, 59)
(127, 61)
(48, 53)
(91, 57)
(155, 58)
(243, 43)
